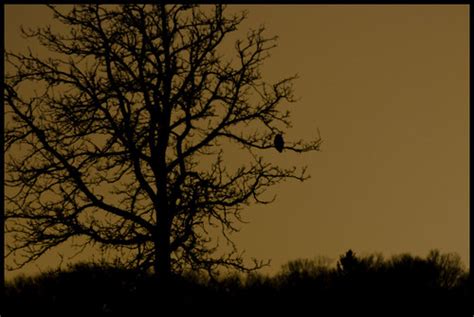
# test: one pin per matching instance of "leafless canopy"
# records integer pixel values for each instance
(106, 138)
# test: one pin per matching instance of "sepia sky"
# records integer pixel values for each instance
(388, 88)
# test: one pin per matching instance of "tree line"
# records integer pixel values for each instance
(369, 284)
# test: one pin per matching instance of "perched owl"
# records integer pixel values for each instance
(279, 143)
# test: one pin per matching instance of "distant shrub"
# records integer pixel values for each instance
(449, 267)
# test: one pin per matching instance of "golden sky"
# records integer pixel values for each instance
(388, 87)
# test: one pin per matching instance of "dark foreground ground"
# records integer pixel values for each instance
(357, 286)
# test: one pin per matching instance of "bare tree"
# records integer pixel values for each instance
(123, 141)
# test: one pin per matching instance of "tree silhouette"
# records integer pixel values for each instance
(122, 142)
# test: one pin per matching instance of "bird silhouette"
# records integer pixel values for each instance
(279, 143)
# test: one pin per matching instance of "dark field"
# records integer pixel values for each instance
(403, 285)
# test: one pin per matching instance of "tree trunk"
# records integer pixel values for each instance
(162, 266)
(162, 263)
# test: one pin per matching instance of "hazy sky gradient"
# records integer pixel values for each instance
(388, 87)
